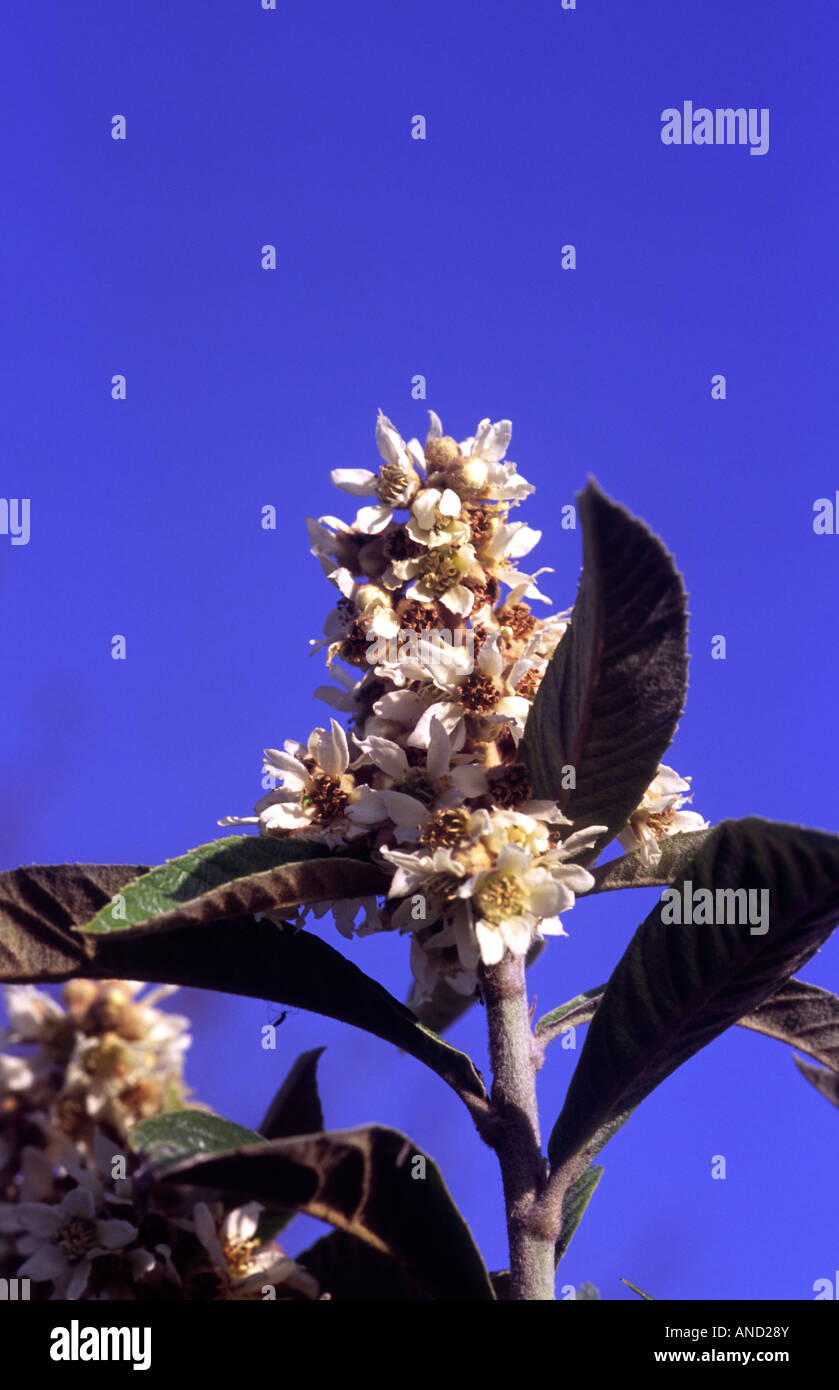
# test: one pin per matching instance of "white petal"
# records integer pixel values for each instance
(372, 520)
(40, 1220)
(544, 898)
(113, 1235)
(460, 600)
(470, 780)
(78, 1202)
(437, 761)
(449, 714)
(294, 775)
(387, 755)
(384, 622)
(490, 942)
(359, 481)
(490, 660)
(389, 441)
(513, 859)
(577, 878)
(424, 507)
(518, 934)
(46, 1264)
(449, 503)
(435, 427)
(492, 441)
(405, 811)
(401, 705)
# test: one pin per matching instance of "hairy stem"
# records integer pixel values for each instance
(515, 1134)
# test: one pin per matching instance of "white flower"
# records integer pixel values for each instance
(62, 1241)
(480, 462)
(436, 577)
(33, 1015)
(394, 485)
(319, 798)
(659, 816)
(435, 519)
(242, 1264)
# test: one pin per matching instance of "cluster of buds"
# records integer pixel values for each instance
(79, 1217)
(438, 657)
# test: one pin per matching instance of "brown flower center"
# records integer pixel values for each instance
(446, 827)
(477, 692)
(509, 786)
(325, 797)
(76, 1238)
(518, 619)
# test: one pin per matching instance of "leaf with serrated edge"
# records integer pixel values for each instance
(574, 1204)
(361, 1181)
(40, 906)
(617, 678)
(237, 875)
(676, 988)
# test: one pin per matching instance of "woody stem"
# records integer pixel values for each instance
(515, 1133)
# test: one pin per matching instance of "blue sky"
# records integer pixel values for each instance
(441, 257)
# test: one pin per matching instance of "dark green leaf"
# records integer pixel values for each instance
(231, 877)
(365, 1182)
(574, 1204)
(296, 1107)
(679, 986)
(614, 690)
(350, 1270)
(182, 1134)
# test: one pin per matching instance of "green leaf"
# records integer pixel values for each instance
(580, 1009)
(350, 1270)
(186, 1134)
(230, 877)
(39, 908)
(617, 679)
(630, 871)
(826, 1082)
(296, 1108)
(366, 1182)
(574, 1204)
(678, 987)
(640, 1292)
